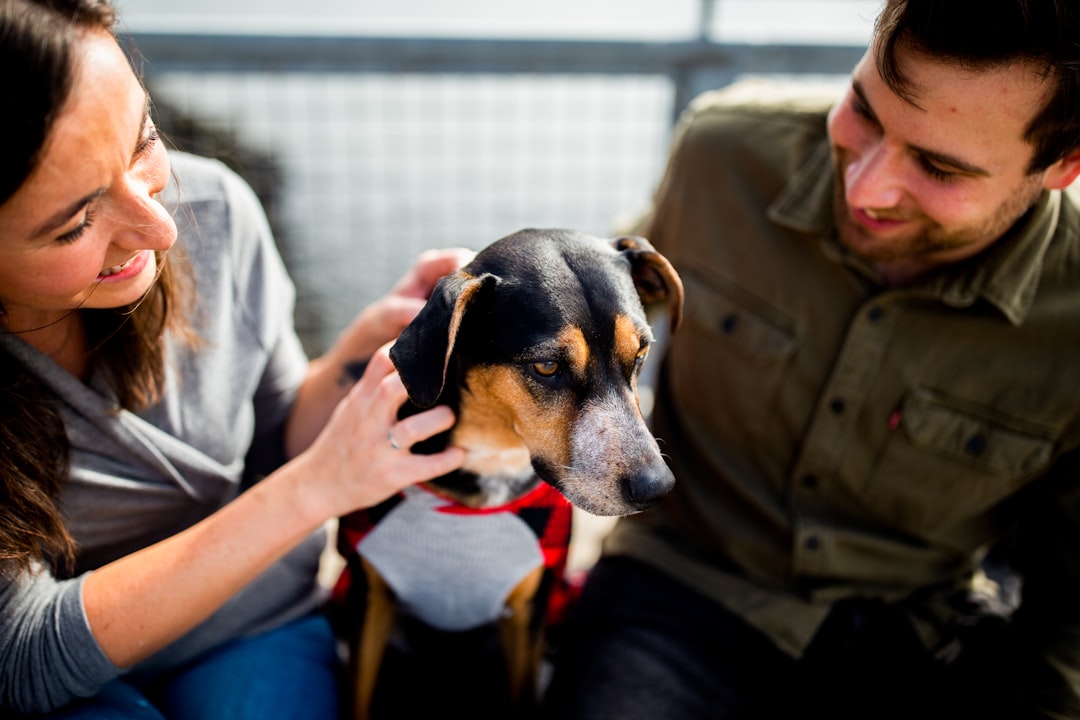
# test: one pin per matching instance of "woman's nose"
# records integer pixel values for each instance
(143, 223)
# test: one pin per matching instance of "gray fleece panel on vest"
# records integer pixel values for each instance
(452, 569)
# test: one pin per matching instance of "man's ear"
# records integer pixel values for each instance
(1061, 174)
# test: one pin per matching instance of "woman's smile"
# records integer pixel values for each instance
(127, 269)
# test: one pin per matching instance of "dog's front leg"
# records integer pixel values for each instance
(522, 650)
(370, 647)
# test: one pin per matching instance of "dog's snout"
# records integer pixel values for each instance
(647, 488)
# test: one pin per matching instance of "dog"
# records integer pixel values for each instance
(536, 345)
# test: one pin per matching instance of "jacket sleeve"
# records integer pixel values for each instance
(48, 655)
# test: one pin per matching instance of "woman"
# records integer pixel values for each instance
(168, 454)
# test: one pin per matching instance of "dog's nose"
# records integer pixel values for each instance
(646, 489)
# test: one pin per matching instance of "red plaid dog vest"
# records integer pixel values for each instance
(452, 566)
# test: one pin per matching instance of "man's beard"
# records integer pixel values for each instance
(929, 239)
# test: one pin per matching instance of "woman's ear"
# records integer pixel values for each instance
(1062, 173)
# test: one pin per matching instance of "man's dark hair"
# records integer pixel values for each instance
(985, 34)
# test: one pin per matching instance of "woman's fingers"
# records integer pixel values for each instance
(373, 385)
(415, 428)
(431, 265)
(371, 452)
(412, 468)
(383, 320)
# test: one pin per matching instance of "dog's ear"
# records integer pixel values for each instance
(422, 351)
(654, 277)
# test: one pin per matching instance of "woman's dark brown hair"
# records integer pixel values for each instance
(984, 34)
(36, 52)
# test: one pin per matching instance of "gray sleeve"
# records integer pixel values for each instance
(48, 655)
(265, 298)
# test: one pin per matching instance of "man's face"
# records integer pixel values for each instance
(938, 179)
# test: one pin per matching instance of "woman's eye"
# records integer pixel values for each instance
(546, 368)
(77, 232)
(146, 146)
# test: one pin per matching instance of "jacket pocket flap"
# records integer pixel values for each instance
(972, 434)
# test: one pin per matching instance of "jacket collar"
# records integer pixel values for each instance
(1006, 275)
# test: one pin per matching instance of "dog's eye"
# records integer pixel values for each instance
(546, 368)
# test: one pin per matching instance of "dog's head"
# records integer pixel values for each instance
(537, 344)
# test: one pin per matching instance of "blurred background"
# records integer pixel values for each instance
(373, 130)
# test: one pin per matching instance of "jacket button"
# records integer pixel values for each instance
(975, 445)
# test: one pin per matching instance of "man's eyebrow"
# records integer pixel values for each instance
(951, 161)
(940, 158)
(857, 88)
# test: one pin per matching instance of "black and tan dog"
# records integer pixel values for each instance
(537, 345)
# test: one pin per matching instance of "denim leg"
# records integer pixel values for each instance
(116, 701)
(290, 673)
(641, 646)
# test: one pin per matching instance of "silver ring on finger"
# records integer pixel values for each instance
(392, 440)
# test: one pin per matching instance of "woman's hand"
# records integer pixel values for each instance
(355, 454)
(384, 319)
(330, 376)
(430, 266)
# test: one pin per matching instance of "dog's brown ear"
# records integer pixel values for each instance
(654, 277)
(422, 351)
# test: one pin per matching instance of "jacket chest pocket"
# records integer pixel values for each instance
(951, 461)
(729, 362)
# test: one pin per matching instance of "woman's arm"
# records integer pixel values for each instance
(139, 604)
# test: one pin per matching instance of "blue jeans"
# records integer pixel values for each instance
(290, 673)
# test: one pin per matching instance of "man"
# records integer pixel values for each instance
(876, 391)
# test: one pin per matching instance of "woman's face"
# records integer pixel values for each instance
(82, 231)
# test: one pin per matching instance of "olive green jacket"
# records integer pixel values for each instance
(831, 437)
